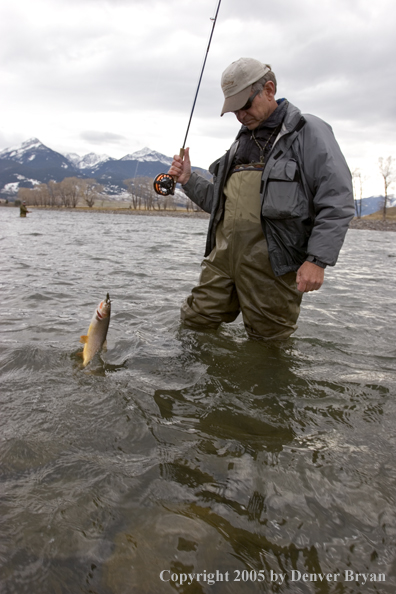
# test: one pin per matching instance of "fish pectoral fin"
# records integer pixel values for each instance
(84, 339)
(104, 347)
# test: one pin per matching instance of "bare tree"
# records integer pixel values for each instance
(133, 188)
(25, 195)
(53, 191)
(144, 189)
(90, 190)
(70, 187)
(157, 201)
(64, 193)
(357, 181)
(42, 194)
(36, 197)
(169, 202)
(387, 171)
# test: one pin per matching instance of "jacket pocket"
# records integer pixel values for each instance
(284, 197)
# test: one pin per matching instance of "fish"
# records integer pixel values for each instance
(95, 340)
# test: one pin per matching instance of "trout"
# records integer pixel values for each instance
(97, 331)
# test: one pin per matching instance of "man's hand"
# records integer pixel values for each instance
(181, 168)
(310, 277)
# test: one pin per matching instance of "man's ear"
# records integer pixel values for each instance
(269, 89)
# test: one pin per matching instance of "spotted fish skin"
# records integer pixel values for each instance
(96, 337)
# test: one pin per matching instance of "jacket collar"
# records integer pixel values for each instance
(292, 118)
(286, 113)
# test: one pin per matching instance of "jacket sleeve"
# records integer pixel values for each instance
(330, 181)
(200, 191)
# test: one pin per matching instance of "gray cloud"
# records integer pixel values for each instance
(102, 137)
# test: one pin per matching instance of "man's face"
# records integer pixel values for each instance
(261, 108)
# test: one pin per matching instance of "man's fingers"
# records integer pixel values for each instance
(305, 287)
(309, 277)
(301, 286)
(181, 167)
(177, 166)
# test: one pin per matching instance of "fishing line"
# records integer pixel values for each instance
(164, 184)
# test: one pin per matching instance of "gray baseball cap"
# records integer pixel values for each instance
(237, 81)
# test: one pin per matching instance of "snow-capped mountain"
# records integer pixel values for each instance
(147, 155)
(87, 161)
(29, 164)
(35, 154)
(19, 153)
(32, 163)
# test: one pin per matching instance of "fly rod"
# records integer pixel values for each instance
(164, 184)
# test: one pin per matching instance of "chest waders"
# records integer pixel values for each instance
(237, 276)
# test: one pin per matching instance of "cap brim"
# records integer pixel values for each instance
(236, 101)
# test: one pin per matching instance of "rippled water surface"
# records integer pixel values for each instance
(177, 452)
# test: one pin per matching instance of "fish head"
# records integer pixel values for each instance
(104, 308)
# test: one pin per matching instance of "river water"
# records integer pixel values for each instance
(259, 467)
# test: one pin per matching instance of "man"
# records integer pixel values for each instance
(23, 211)
(280, 203)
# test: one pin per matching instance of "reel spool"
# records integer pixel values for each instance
(164, 184)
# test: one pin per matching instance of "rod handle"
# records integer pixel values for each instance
(181, 154)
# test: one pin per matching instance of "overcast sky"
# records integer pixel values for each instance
(114, 76)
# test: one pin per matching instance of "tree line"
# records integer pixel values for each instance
(142, 195)
(73, 190)
(67, 193)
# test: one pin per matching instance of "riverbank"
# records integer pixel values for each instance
(374, 224)
(368, 223)
(192, 214)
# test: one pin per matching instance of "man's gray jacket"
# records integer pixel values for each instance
(306, 194)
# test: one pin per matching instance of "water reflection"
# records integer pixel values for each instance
(255, 466)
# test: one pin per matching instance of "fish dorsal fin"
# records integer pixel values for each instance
(84, 339)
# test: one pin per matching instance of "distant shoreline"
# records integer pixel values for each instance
(374, 224)
(368, 223)
(128, 211)
(193, 214)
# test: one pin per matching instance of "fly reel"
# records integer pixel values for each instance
(164, 184)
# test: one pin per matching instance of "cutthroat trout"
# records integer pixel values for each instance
(97, 331)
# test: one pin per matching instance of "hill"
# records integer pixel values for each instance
(32, 163)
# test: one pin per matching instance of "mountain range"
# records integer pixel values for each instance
(32, 163)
